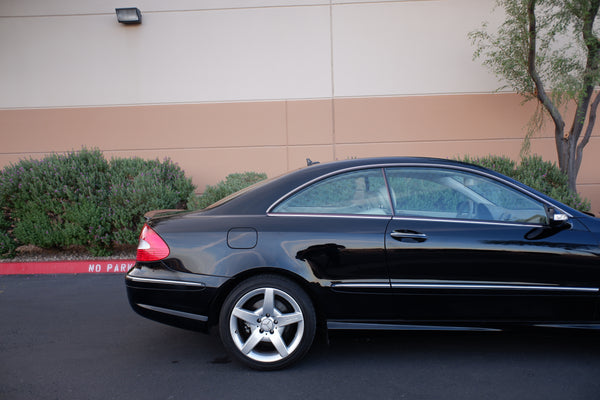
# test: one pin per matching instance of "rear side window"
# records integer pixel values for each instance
(352, 193)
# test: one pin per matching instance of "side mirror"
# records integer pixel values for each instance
(557, 219)
(558, 222)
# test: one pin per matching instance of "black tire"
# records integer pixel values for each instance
(267, 322)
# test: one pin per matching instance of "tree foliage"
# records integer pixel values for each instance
(549, 51)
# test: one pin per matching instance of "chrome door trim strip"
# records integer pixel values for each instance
(361, 285)
(176, 313)
(571, 326)
(400, 326)
(463, 286)
(165, 281)
(468, 286)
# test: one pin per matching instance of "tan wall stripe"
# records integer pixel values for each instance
(212, 140)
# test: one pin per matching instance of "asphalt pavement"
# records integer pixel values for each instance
(75, 337)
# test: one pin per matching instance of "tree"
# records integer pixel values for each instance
(549, 51)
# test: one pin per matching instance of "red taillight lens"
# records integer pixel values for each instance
(151, 246)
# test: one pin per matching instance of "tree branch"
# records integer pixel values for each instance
(590, 77)
(588, 131)
(591, 68)
(540, 92)
(591, 122)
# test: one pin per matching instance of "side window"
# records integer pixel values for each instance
(357, 192)
(448, 193)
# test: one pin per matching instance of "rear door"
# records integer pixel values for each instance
(336, 226)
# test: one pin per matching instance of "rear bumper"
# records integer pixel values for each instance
(174, 298)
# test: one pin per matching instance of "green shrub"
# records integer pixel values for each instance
(503, 165)
(5, 224)
(80, 198)
(138, 186)
(533, 171)
(231, 184)
(7, 245)
(45, 197)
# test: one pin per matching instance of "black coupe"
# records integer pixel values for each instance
(382, 243)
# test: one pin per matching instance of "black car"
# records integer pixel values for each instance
(382, 243)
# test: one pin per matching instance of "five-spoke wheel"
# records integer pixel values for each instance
(268, 322)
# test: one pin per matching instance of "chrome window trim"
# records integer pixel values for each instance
(328, 175)
(412, 164)
(467, 221)
(165, 281)
(402, 218)
(362, 216)
(319, 178)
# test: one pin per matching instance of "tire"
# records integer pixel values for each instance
(267, 322)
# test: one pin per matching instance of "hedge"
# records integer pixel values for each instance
(533, 171)
(231, 184)
(80, 198)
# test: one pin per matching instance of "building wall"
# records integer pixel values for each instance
(225, 86)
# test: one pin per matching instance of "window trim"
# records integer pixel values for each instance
(361, 216)
(422, 214)
(467, 221)
(383, 166)
(378, 168)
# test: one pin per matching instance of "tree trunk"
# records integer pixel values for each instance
(565, 160)
(573, 169)
(564, 144)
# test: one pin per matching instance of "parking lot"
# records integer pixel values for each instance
(75, 337)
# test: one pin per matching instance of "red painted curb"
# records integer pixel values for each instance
(67, 267)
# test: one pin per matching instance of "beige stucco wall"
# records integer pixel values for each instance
(223, 86)
(66, 53)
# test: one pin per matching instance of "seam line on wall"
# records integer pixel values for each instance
(191, 10)
(323, 4)
(279, 146)
(287, 137)
(236, 101)
(333, 131)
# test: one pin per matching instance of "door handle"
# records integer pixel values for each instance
(416, 236)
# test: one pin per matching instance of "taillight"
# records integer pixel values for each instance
(151, 246)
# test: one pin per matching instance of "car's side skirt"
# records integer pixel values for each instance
(367, 326)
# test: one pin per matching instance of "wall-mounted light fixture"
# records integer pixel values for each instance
(131, 15)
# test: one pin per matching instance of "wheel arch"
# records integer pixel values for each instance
(309, 288)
